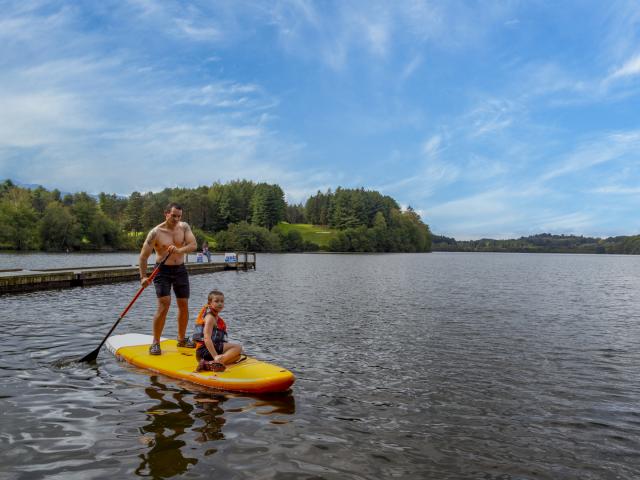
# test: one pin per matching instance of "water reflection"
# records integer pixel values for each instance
(169, 419)
(179, 417)
(499, 366)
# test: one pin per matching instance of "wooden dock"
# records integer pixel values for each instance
(17, 280)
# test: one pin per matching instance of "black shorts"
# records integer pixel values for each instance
(203, 351)
(172, 275)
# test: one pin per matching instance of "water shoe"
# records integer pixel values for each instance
(186, 343)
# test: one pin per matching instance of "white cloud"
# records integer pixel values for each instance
(567, 223)
(479, 168)
(485, 204)
(344, 30)
(105, 121)
(616, 190)
(431, 147)
(490, 117)
(595, 152)
(630, 68)
(197, 32)
(411, 67)
(31, 119)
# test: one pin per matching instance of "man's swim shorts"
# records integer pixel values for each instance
(172, 275)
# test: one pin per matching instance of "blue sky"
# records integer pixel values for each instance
(491, 119)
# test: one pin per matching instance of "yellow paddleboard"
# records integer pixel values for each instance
(247, 375)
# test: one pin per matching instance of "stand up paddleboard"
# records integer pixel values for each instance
(246, 375)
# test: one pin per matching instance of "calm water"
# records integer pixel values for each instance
(38, 260)
(443, 366)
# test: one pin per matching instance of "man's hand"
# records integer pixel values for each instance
(144, 281)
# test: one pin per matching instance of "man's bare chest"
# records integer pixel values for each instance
(166, 237)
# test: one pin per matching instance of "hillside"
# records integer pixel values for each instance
(320, 235)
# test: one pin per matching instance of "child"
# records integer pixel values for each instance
(212, 349)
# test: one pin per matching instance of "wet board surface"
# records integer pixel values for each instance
(248, 375)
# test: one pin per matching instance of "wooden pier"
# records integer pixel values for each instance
(17, 280)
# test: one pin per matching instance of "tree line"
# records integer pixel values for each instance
(238, 215)
(542, 243)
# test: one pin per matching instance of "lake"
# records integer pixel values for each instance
(442, 365)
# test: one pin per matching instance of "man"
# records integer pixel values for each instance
(175, 238)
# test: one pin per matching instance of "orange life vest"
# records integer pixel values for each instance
(219, 334)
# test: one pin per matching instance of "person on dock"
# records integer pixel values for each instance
(205, 251)
(210, 334)
(175, 238)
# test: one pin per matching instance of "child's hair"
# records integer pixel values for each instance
(213, 293)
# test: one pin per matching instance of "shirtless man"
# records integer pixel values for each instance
(176, 238)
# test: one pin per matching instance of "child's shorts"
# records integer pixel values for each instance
(203, 353)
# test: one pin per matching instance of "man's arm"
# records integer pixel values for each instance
(189, 240)
(145, 253)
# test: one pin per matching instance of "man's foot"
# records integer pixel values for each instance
(154, 349)
(186, 343)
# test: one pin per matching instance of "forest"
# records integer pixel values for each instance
(542, 243)
(238, 215)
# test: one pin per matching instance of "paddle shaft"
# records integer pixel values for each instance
(93, 355)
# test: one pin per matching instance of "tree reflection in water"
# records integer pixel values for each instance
(174, 415)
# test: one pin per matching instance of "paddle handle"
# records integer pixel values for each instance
(141, 289)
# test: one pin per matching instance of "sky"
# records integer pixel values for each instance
(494, 119)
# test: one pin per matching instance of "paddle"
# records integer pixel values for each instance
(91, 357)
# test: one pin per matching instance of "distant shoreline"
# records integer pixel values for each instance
(542, 243)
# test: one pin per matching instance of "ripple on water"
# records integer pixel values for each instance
(417, 366)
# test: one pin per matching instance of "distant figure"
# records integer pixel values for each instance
(175, 238)
(205, 251)
(213, 351)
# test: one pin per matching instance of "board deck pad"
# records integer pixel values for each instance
(247, 375)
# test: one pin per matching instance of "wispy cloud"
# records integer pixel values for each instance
(431, 147)
(630, 68)
(616, 190)
(595, 152)
(490, 117)
(570, 223)
(378, 28)
(76, 111)
(506, 212)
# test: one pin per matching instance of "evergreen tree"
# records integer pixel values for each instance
(112, 206)
(243, 236)
(295, 213)
(133, 213)
(18, 219)
(268, 205)
(152, 212)
(84, 208)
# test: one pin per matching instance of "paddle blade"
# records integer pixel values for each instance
(91, 357)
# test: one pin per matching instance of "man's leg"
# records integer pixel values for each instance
(181, 289)
(160, 316)
(183, 317)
